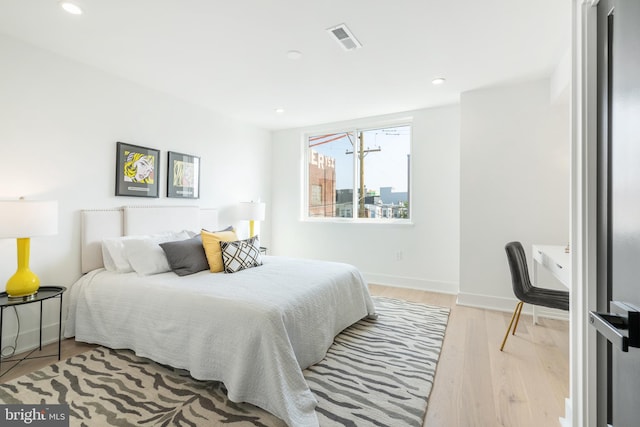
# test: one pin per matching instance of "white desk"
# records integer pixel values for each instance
(554, 259)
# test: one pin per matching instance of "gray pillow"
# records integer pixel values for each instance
(229, 228)
(186, 256)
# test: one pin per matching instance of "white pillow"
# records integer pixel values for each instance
(113, 256)
(107, 260)
(146, 256)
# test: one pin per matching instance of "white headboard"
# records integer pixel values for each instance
(137, 220)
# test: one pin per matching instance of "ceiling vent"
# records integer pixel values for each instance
(344, 37)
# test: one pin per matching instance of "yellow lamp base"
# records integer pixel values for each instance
(24, 282)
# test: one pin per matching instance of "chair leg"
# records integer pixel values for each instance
(516, 313)
(521, 304)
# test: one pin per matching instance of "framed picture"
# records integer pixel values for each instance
(183, 176)
(137, 171)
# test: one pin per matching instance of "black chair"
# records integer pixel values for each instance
(525, 291)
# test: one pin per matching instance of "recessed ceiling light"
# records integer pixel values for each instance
(279, 110)
(71, 7)
(438, 81)
(294, 54)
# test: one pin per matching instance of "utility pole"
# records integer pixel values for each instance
(361, 154)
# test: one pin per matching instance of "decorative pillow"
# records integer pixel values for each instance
(186, 256)
(145, 254)
(211, 243)
(241, 254)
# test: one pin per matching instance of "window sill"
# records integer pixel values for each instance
(383, 222)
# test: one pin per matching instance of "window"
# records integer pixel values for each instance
(360, 173)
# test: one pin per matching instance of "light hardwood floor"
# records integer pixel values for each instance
(478, 385)
(475, 384)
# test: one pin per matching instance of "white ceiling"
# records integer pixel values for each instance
(231, 56)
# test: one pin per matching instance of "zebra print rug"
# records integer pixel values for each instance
(377, 373)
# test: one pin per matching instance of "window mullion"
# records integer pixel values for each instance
(356, 184)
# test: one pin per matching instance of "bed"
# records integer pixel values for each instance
(254, 330)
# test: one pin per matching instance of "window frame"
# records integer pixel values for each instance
(355, 129)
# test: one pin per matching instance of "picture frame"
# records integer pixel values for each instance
(137, 170)
(183, 176)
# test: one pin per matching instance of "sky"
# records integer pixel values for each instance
(385, 168)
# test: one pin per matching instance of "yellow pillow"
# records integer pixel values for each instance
(211, 243)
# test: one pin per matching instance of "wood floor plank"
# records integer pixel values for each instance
(516, 375)
(69, 347)
(478, 398)
(475, 383)
(532, 360)
(446, 397)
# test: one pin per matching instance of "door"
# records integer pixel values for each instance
(618, 319)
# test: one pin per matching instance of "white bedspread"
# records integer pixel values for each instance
(254, 330)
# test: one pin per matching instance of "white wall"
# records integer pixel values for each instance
(514, 184)
(494, 169)
(429, 246)
(59, 124)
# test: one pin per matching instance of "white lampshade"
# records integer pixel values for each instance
(28, 218)
(252, 211)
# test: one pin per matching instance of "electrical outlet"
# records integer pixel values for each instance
(399, 255)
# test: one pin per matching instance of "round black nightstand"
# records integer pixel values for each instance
(43, 294)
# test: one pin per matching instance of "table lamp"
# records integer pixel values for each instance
(23, 219)
(252, 211)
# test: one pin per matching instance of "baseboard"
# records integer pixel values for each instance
(29, 340)
(466, 299)
(507, 305)
(412, 283)
(566, 420)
